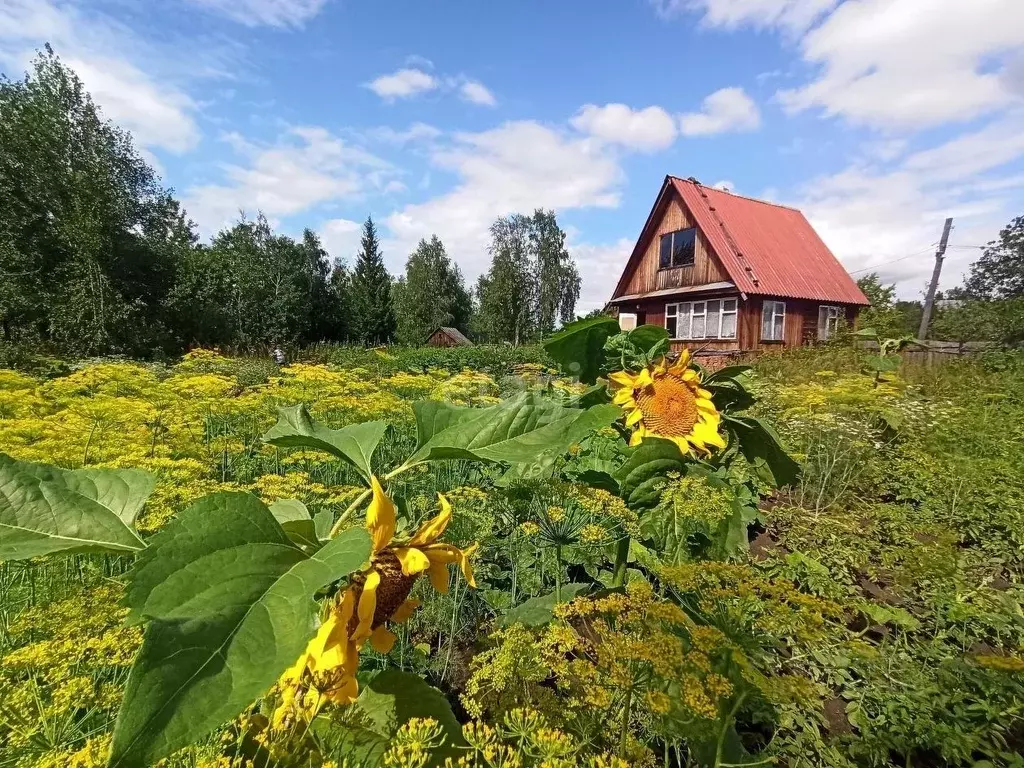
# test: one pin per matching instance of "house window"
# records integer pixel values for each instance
(677, 248)
(712, 319)
(828, 320)
(773, 320)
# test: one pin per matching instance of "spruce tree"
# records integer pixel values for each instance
(373, 312)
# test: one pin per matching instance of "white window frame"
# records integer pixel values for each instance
(676, 310)
(832, 317)
(773, 309)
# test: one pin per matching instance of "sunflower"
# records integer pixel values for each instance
(326, 670)
(667, 401)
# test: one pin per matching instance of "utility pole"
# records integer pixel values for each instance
(929, 300)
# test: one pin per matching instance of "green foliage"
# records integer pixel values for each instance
(996, 321)
(999, 273)
(891, 318)
(372, 319)
(354, 444)
(538, 611)
(229, 604)
(88, 245)
(577, 347)
(532, 280)
(45, 510)
(430, 295)
(517, 430)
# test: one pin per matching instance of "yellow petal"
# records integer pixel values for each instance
(634, 417)
(344, 692)
(704, 404)
(466, 566)
(643, 379)
(621, 378)
(623, 397)
(690, 376)
(367, 607)
(702, 393)
(383, 639)
(412, 559)
(405, 611)
(636, 438)
(684, 359)
(380, 517)
(431, 530)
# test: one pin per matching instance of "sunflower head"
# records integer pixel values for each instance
(666, 400)
(382, 591)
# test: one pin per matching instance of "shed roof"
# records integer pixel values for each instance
(766, 249)
(454, 333)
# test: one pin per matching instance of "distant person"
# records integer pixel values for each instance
(278, 355)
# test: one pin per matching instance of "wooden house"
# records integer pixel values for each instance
(448, 337)
(726, 274)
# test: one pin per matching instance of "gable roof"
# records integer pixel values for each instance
(766, 249)
(454, 334)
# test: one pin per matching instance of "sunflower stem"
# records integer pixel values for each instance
(621, 558)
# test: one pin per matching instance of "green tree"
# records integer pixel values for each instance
(999, 273)
(532, 281)
(89, 240)
(431, 294)
(890, 318)
(372, 310)
(1000, 321)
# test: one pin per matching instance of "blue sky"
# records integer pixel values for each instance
(878, 118)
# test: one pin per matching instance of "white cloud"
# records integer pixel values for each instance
(911, 63)
(645, 130)
(271, 13)
(793, 15)
(341, 238)
(477, 93)
(889, 219)
(307, 167)
(414, 133)
(728, 109)
(516, 167)
(103, 53)
(403, 84)
(600, 267)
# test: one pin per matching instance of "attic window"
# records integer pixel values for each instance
(677, 248)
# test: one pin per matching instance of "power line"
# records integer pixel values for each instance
(893, 261)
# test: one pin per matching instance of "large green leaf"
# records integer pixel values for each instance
(578, 347)
(296, 521)
(538, 611)
(45, 509)
(642, 475)
(518, 430)
(762, 447)
(394, 697)
(229, 599)
(355, 443)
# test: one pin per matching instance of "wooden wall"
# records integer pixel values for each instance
(648, 277)
(801, 325)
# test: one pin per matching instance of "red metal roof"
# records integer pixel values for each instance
(768, 249)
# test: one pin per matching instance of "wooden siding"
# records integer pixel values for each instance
(648, 277)
(800, 328)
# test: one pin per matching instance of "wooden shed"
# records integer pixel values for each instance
(726, 273)
(448, 337)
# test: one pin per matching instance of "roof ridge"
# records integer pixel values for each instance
(738, 254)
(692, 180)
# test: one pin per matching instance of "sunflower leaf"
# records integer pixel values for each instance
(354, 444)
(642, 475)
(763, 448)
(517, 431)
(394, 697)
(577, 348)
(44, 509)
(230, 606)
